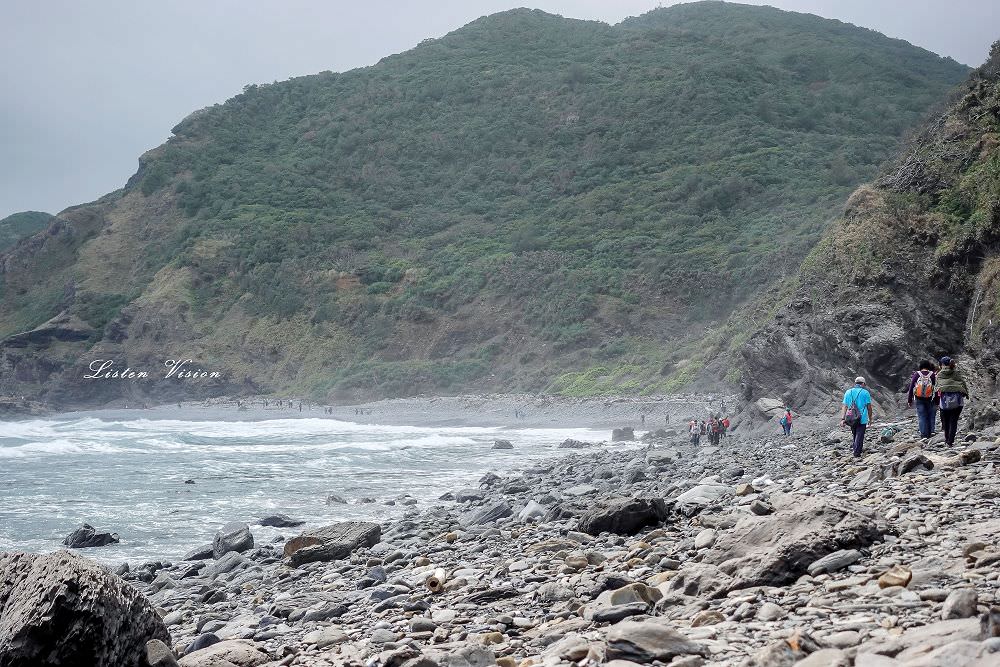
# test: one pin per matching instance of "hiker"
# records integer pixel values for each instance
(856, 413)
(725, 426)
(786, 421)
(642, 419)
(695, 429)
(952, 393)
(922, 395)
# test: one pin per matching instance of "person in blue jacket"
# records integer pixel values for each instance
(856, 412)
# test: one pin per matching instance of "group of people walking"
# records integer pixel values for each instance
(932, 389)
(715, 428)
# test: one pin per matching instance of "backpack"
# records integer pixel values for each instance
(784, 420)
(951, 400)
(853, 416)
(924, 388)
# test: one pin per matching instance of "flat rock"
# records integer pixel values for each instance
(834, 562)
(776, 549)
(646, 641)
(332, 542)
(280, 521)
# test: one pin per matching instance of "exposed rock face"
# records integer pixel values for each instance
(62, 609)
(626, 516)
(776, 549)
(88, 536)
(332, 542)
(924, 287)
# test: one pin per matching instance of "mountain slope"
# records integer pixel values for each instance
(909, 272)
(17, 226)
(529, 202)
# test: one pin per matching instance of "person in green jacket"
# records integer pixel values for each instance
(952, 392)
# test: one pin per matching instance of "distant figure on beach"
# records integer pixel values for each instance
(666, 418)
(856, 413)
(952, 392)
(694, 428)
(300, 406)
(786, 422)
(642, 419)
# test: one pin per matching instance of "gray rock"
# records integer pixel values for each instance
(233, 536)
(325, 637)
(774, 550)
(531, 512)
(62, 609)
(960, 603)
(203, 640)
(834, 562)
(204, 552)
(159, 654)
(648, 641)
(233, 652)
(87, 536)
(280, 521)
(622, 434)
(227, 563)
(623, 516)
(503, 444)
(332, 542)
(489, 514)
(468, 495)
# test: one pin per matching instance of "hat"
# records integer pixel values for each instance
(859, 380)
(946, 361)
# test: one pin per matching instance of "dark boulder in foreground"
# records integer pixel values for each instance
(88, 536)
(332, 542)
(776, 549)
(623, 516)
(280, 521)
(63, 609)
(233, 536)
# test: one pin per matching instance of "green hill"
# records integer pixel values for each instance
(527, 203)
(17, 226)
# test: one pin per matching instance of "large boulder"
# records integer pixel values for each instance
(332, 542)
(63, 609)
(280, 521)
(233, 536)
(622, 434)
(776, 549)
(623, 516)
(646, 641)
(88, 536)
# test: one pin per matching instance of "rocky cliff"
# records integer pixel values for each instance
(908, 272)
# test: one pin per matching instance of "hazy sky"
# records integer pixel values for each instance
(86, 87)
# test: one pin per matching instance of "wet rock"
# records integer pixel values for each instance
(87, 536)
(233, 536)
(62, 609)
(332, 542)
(622, 434)
(503, 444)
(623, 516)
(570, 443)
(280, 521)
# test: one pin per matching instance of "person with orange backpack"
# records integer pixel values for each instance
(922, 396)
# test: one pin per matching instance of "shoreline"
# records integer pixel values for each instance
(487, 410)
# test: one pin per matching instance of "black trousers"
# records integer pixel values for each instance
(949, 424)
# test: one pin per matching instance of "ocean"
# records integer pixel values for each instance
(128, 475)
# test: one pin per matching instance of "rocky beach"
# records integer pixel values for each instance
(762, 551)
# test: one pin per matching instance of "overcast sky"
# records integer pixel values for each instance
(86, 87)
